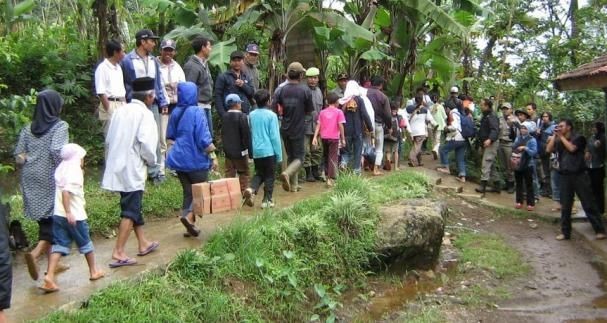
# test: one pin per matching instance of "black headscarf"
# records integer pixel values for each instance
(48, 107)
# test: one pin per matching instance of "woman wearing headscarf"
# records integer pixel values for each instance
(357, 119)
(192, 144)
(38, 152)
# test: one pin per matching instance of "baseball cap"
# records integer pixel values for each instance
(232, 99)
(342, 76)
(145, 34)
(296, 66)
(506, 105)
(236, 54)
(454, 90)
(312, 71)
(168, 43)
(253, 48)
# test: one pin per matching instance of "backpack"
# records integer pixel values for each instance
(468, 128)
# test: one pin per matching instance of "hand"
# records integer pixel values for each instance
(164, 110)
(597, 143)
(522, 148)
(587, 156)
(314, 142)
(487, 143)
(210, 149)
(215, 164)
(239, 82)
(70, 218)
(343, 142)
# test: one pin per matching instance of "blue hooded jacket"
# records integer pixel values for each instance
(189, 129)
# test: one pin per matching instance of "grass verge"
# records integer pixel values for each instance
(283, 265)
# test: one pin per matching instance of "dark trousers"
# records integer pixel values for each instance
(572, 184)
(187, 179)
(597, 178)
(524, 183)
(264, 173)
(330, 149)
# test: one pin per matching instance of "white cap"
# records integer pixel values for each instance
(454, 90)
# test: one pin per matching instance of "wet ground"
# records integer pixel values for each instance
(30, 303)
(566, 282)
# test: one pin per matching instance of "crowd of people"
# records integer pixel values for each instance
(157, 118)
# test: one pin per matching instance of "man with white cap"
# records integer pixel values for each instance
(313, 153)
(171, 73)
(453, 102)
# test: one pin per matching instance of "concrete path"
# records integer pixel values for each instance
(29, 303)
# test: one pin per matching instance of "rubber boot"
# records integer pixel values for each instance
(316, 174)
(289, 175)
(482, 188)
(494, 189)
(309, 175)
(510, 187)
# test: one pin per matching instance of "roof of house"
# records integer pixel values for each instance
(592, 75)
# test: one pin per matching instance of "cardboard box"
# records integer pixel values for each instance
(216, 196)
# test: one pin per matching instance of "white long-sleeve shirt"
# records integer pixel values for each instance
(417, 123)
(131, 146)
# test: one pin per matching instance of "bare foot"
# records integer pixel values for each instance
(49, 286)
(98, 274)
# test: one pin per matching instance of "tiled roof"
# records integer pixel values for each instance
(597, 67)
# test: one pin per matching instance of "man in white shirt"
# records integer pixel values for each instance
(171, 73)
(131, 144)
(109, 84)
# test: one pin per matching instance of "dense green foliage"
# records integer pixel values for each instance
(282, 265)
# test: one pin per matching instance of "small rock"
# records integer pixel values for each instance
(533, 225)
(466, 283)
(429, 274)
(568, 294)
(531, 287)
(460, 224)
(477, 224)
(530, 220)
(446, 241)
(447, 234)
(439, 290)
(372, 293)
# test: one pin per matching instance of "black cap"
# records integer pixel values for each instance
(145, 34)
(342, 76)
(143, 84)
(236, 54)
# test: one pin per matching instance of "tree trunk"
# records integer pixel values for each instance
(573, 8)
(467, 64)
(487, 55)
(100, 10)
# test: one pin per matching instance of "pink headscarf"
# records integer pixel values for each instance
(69, 171)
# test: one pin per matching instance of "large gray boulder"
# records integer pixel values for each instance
(410, 233)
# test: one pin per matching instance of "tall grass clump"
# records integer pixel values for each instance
(274, 267)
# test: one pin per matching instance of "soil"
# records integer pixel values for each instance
(566, 282)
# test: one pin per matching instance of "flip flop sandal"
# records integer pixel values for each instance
(149, 249)
(48, 290)
(192, 231)
(123, 262)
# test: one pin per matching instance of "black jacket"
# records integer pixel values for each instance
(198, 73)
(356, 118)
(225, 84)
(236, 135)
(489, 128)
(381, 106)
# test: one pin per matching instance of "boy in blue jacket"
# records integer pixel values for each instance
(525, 145)
(267, 152)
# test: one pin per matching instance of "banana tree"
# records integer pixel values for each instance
(277, 18)
(13, 13)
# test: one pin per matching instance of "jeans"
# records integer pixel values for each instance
(489, 167)
(353, 152)
(264, 173)
(555, 181)
(187, 179)
(460, 155)
(64, 234)
(578, 184)
(207, 111)
(536, 182)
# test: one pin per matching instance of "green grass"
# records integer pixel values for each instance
(492, 253)
(280, 259)
(427, 314)
(103, 207)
